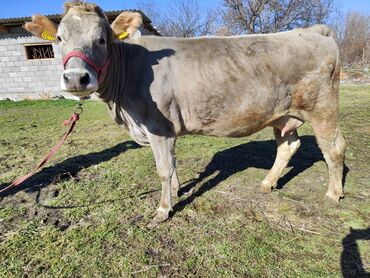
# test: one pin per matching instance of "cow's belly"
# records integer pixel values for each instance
(231, 129)
(232, 123)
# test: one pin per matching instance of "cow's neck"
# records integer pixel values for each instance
(113, 89)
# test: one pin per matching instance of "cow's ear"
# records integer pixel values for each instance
(126, 25)
(41, 27)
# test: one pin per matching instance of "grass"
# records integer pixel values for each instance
(85, 214)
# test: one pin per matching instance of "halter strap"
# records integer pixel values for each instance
(100, 71)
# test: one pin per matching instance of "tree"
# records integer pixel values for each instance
(182, 18)
(264, 16)
(353, 36)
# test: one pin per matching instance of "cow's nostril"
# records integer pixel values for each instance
(66, 78)
(84, 80)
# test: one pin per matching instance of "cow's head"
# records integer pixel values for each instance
(85, 38)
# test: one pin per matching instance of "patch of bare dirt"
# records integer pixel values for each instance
(27, 207)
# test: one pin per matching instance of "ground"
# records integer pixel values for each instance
(86, 214)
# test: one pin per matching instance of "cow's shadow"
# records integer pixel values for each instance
(351, 263)
(257, 154)
(69, 168)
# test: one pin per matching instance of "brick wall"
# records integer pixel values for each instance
(22, 78)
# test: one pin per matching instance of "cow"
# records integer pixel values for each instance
(160, 88)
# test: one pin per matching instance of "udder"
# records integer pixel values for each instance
(287, 124)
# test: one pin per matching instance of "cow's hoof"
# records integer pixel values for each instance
(266, 187)
(161, 215)
(333, 196)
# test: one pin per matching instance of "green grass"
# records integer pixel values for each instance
(86, 214)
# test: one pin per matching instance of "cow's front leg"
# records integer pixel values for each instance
(164, 154)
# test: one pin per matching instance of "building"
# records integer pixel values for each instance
(30, 68)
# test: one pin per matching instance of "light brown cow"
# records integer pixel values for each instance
(161, 88)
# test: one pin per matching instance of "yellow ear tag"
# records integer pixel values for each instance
(123, 36)
(46, 36)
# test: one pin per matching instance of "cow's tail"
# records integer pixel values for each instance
(323, 30)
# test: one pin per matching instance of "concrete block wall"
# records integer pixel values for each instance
(22, 78)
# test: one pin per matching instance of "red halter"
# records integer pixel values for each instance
(100, 71)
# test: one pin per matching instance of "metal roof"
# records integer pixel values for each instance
(56, 18)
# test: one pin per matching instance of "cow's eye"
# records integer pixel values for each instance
(58, 39)
(101, 41)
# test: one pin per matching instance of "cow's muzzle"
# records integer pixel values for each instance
(80, 81)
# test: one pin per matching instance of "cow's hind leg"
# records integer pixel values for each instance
(333, 145)
(287, 145)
